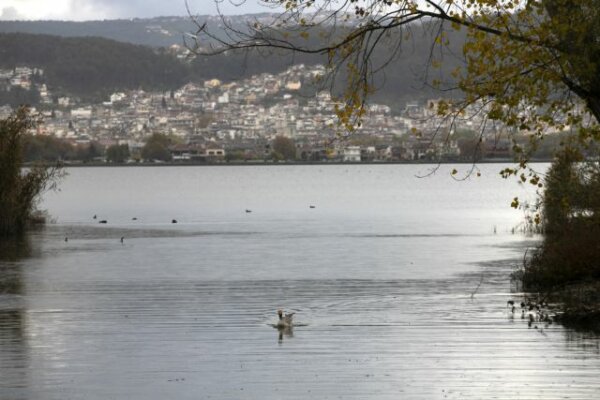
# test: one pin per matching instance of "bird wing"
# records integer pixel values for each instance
(288, 317)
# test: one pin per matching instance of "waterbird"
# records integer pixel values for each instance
(285, 321)
(312, 206)
(134, 219)
(248, 211)
(103, 221)
(122, 239)
(511, 304)
(94, 217)
(174, 221)
(66, 239)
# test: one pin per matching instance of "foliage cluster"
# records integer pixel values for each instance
(284, 148)
(157, 148)
(571, 213)
(19, 190)
(51, 149)
(118, 153)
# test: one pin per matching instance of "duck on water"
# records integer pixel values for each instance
(284, 321)
(533, 312)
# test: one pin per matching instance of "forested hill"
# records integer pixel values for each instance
(154, 32)
(149, 32)
(92, 67)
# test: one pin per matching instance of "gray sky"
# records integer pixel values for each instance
(80, 10)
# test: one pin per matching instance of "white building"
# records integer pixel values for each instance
(352, 154)
(82, 112)
(224, 98)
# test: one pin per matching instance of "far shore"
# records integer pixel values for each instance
(286, 163)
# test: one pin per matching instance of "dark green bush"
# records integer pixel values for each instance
(570, 251)
(20, 189)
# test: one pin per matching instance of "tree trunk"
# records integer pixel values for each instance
(593, 104)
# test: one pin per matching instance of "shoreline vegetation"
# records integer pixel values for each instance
(580, 306)
(20, 190)
(565, 267)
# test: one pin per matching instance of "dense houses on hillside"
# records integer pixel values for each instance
(214, 120)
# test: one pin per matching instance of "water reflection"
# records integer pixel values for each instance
(14, 249)
(586, 341)
(13, 333)
(13, 349)
(286, 331)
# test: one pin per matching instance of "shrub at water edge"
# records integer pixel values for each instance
(19, 189)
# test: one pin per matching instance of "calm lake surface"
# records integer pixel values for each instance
(380, 273)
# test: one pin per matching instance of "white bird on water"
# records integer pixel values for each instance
(285, 321)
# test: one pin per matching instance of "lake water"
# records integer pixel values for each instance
(399, 285)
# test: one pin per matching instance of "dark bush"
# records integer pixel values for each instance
(19, 189)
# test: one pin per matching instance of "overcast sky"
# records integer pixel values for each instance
(81, 10)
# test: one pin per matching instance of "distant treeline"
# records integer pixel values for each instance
(153, 32)
(51, 149)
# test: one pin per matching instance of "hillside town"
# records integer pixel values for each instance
(215, 121)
